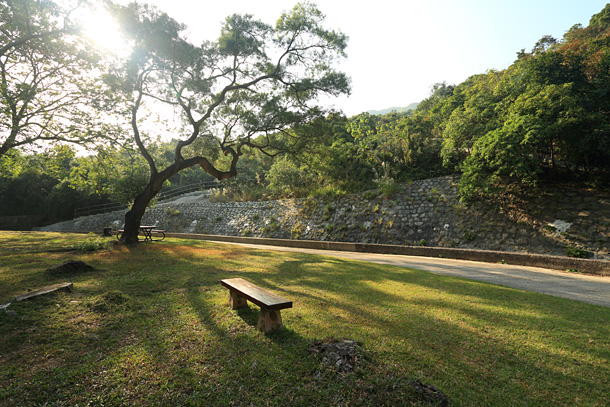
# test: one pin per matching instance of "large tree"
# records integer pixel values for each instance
(48, 71)
(249, 90)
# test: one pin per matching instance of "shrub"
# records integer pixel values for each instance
(576, 252)
(386, 185)
(469, 235)
(219, 196)
(286, 179)
(172, 211)
(297, 231)
(328, 193)
(370, 195)
(329, 209)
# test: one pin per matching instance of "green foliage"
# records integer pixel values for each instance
(93, 244)
(253, 90)
(49, 90)
(601, 21)
(287, 179)
(370, 195)
(576, 252)
(469, 235)
(169, 211)
(328, 193)
(329, 210)
(387, 186)
(119, 173)
(250, 183)
(38, 184)
(297, 231)
(271, 227)
(544, 115)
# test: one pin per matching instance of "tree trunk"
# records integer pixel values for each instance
(133, 218)
(135, 214)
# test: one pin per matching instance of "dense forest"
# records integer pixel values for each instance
(545, 117)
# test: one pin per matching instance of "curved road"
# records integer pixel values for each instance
(578, 287)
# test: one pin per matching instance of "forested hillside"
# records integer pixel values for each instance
(545, 117)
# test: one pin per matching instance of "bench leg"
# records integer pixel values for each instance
(269, 320)
(237, 301)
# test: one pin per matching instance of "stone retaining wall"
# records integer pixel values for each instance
(423, 213)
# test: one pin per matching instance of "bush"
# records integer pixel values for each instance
(286, 179)
(172, 211)
(328, 193)
(219, 196)
(329, 210)
(576, 252)
(386, 185)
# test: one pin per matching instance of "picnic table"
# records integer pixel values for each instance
(147, 232)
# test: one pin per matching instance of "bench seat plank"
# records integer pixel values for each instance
(44, 291)
(257, 295)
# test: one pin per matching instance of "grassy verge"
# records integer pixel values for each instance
(150, 326)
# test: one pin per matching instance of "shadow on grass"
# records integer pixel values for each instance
(176, 342)
(513, 340)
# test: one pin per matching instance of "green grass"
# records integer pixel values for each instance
(151, 326)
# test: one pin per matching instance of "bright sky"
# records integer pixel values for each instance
(399, 48)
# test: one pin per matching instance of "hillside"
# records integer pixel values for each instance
(552, 221)
(412, 106)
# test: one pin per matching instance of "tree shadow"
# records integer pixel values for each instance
(180, 331)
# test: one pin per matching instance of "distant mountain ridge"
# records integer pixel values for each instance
(412, 106)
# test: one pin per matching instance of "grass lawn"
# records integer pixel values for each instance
(151, 326)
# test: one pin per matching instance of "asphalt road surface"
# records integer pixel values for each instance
(578, 287)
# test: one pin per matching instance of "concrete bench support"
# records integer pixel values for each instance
(242, 291)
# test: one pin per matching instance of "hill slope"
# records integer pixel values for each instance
(412, 106)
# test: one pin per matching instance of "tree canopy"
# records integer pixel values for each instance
(249, 90)
(250, 97)
(48, 86)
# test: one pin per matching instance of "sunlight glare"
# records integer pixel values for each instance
(102, 29)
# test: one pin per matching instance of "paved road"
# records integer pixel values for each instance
(585, 288)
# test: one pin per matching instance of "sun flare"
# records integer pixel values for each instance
(103, 30)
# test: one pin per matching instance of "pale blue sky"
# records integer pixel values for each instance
(398, 49)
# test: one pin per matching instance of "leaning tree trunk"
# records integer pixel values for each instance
(135, 214)
(133, 218)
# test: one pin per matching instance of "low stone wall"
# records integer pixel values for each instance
(422, 213)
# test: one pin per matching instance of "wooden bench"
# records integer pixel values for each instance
(242, 291)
